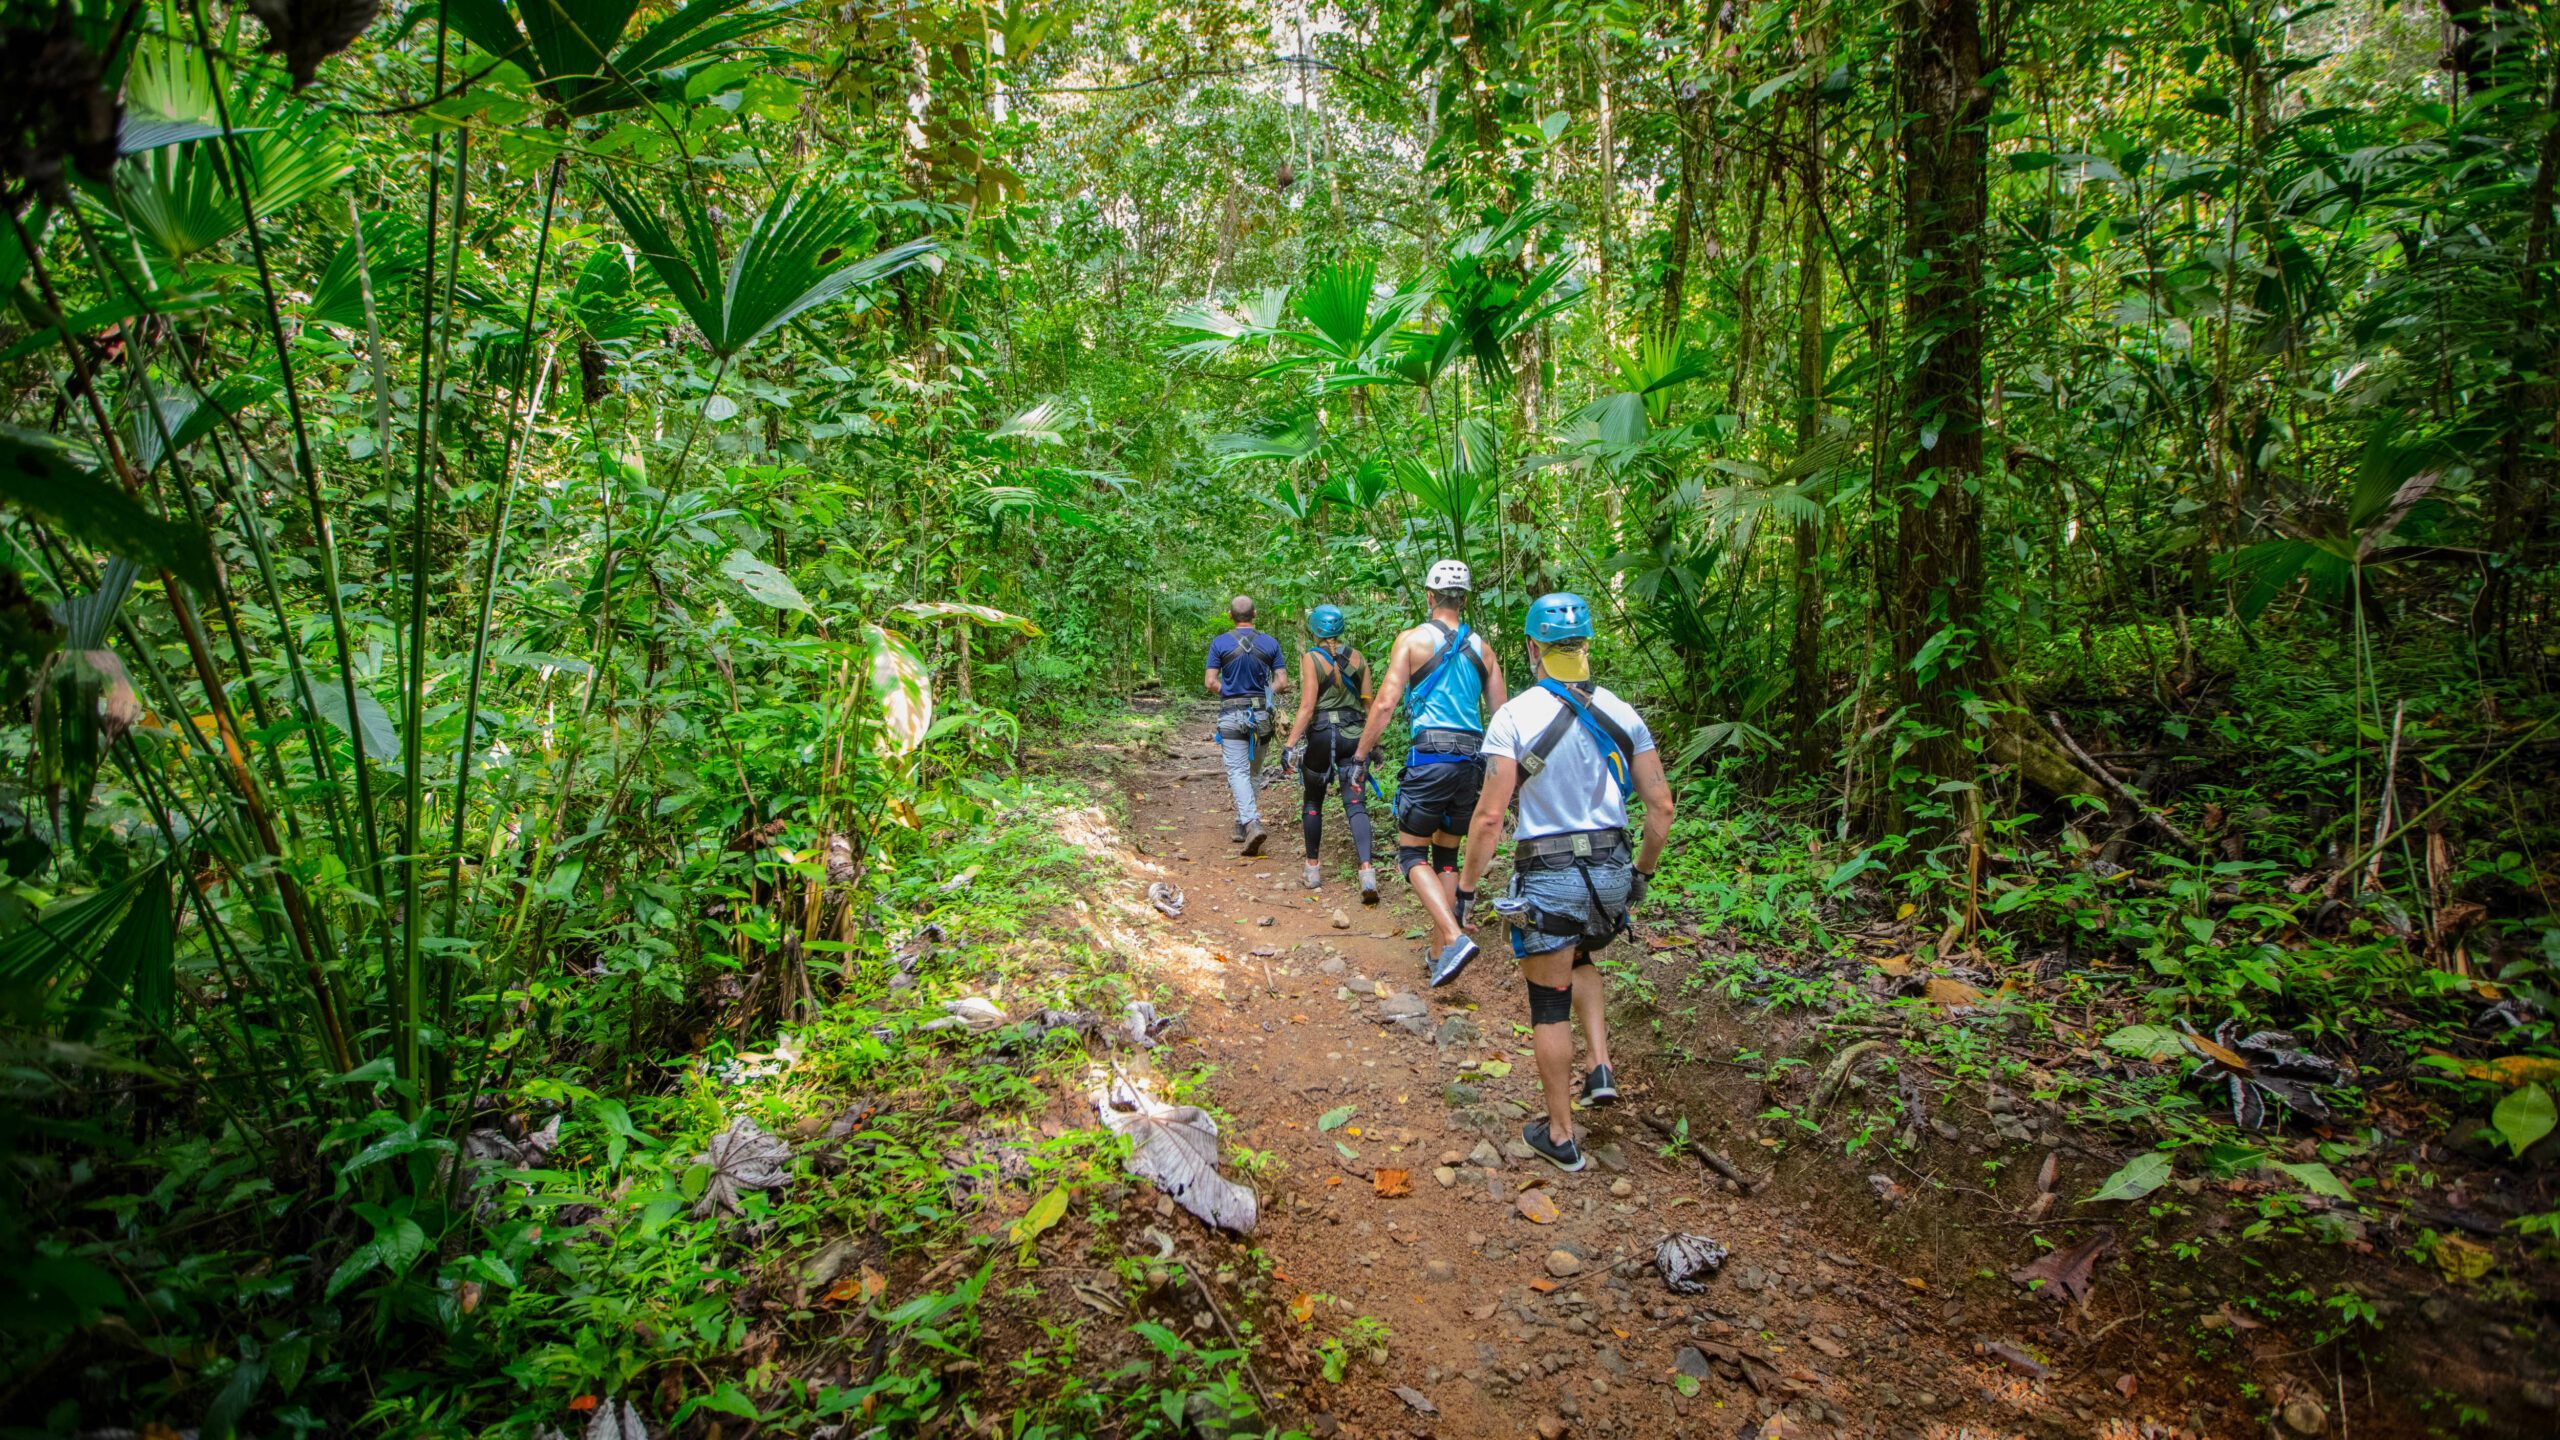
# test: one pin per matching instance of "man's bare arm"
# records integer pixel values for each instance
(1209, 678)
(1655, 787)
(1495, 692)
(1484, 833)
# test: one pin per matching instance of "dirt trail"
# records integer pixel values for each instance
(1502, 1326)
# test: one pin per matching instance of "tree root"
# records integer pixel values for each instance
(1669, 1128)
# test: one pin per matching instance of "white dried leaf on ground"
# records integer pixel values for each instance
(742, 1158)
(1140, 1024)
(975, 1013)
(616, 1420)
(1177, 1148)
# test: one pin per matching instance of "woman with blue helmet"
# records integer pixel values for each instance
(1572, 752)
(1333, 698)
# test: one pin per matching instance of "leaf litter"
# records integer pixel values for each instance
(1177, 1148)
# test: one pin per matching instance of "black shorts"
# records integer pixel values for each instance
(1438, 797)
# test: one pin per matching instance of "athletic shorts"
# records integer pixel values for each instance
(1438, 797)
(1561, 892)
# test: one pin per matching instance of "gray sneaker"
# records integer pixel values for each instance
(1453, 957)
(1314, 875)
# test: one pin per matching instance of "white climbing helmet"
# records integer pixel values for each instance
(1449, 575)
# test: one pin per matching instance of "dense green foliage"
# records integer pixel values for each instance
(529, 551)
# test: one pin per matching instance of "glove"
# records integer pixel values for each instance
(1465, 899)
(1638, 883)
(1294, 758)
(1358, 773)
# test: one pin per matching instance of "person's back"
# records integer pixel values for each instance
(1571, 753)
(1333, 699)
(1242, 670)
(1449, 677)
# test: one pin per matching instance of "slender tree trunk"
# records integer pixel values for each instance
(1805, 661)
(1608, 184)
(1937, 585)
(1690, 112)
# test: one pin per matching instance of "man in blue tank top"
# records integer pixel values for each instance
(1243, 672)
(1450, 675)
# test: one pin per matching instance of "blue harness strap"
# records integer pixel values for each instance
(1605, 735)
(1450, 650)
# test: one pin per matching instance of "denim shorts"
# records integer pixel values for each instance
(1561, 892)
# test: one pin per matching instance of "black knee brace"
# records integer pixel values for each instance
(1444, 857)
(1549, 1004)
(1408, 856)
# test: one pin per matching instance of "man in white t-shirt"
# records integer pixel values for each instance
(1573, 753)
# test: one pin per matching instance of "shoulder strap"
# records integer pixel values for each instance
(1453, 644)
(1617, 748)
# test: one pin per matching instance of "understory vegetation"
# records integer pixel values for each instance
(539, 536)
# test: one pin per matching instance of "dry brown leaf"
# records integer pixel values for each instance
(1538, 1207)
(1303, 1308)
(1943, 991)
(1894, 965)
(2204, 1049)
(1392, 1183)
(2515, 1071)
(873, 1283)
(2067, 1270)
(1543, 1287)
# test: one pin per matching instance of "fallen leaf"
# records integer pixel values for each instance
(2127, 1383)
(2228, 1059)
(1177, 1147)
(1415, 1398)
(585, 1403)
(2140, 1176)
(1485, 1310)
(1539, 1207)
(1303, 1308)
(1353, 1132)
(1337, 1117)
(1382, 988)
(741, 1158)
(2462, 1259)
(1044, 1212)
(1542, 1286)
(848, 1288)
(1915, 1282)
(1333, 1179)
(2069, 1270)
(1496, 1069)
(1943, 991)
(1895, 965)
(1391, 1183)
(2513, 1071)
(873, 1283)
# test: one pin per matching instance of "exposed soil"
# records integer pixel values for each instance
(1850, 1305)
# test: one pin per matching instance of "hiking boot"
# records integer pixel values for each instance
(1562, 1154)
(1239, 835)
(1453, 957)
(1254, 835)
(1314, 876)
(1600, 1086)
(1368, 884)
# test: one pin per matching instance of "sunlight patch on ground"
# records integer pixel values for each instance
(1121, 921)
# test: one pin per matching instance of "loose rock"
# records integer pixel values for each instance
(1563, 1263)
(1340, 920)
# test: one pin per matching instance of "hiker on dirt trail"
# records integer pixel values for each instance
(1453, 681)
(1333, 697)
(1244, 670)
(1572, 752)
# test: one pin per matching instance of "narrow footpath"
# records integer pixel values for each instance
(1517, 1299)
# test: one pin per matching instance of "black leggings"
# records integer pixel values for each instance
(1328, 760)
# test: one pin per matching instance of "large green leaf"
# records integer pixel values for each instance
(2140, 1176)
(797, 255)
(574, 50)
(41, 475)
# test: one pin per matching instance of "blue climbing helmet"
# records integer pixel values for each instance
(1560, 616)
(1325, 622)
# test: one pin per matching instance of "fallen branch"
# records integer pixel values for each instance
(1837, 1074)
(2108, 778)
(1669, 1129)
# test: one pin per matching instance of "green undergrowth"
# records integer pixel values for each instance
(946, 1201)
(2071, 994)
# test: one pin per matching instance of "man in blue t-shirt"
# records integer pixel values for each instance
(1244, 671)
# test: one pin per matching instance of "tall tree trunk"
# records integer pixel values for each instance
(1689, 110)
(1805, 661)
(1608, 185)
(1937, 585)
